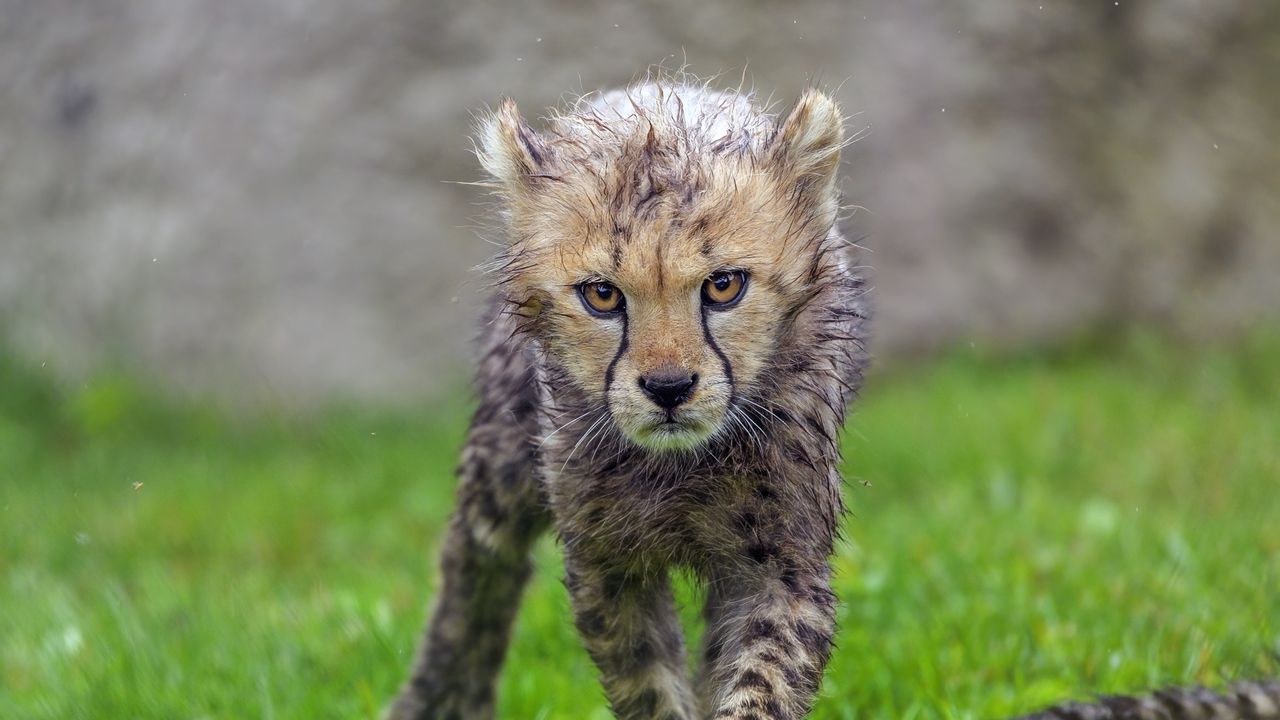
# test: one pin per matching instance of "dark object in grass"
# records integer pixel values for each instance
(1242, 701)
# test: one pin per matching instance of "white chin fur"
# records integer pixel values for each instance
(672, 437)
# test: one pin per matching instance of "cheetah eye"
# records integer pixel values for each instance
(723, 288)
(601, 299)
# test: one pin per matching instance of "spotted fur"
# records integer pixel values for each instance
(653, 189)
(1242, 701)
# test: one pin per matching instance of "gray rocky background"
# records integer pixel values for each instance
(249, 199)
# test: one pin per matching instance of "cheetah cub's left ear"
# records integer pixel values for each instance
(510, 151)
(806, 147)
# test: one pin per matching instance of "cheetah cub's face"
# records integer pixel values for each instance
(657, 257)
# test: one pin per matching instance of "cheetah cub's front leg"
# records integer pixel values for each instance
(629, 625)
(768, 640)
(771, 646)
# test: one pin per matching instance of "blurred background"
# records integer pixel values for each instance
(252, 200)
(236, 288)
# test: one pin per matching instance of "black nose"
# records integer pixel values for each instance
(668, 387)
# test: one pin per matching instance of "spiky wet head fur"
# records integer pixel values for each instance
(653, 190)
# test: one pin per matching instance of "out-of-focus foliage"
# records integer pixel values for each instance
(1021, 530)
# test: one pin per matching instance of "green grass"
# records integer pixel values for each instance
(1100, 519)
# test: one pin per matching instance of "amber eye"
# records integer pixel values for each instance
(723, 288)
(601, 298)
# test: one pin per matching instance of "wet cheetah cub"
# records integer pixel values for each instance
(665, 372)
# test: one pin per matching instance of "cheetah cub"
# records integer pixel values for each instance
(676, 335)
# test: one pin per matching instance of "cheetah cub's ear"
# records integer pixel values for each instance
(509, 150)
(806, 147)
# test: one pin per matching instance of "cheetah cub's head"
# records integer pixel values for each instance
(662, 241)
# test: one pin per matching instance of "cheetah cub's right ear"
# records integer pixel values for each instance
(510, 151)
(806, 147)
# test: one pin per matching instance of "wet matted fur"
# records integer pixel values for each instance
(655, 423)
(653, 190)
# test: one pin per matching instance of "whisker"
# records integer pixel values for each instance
(585, 435)
(557, 430)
